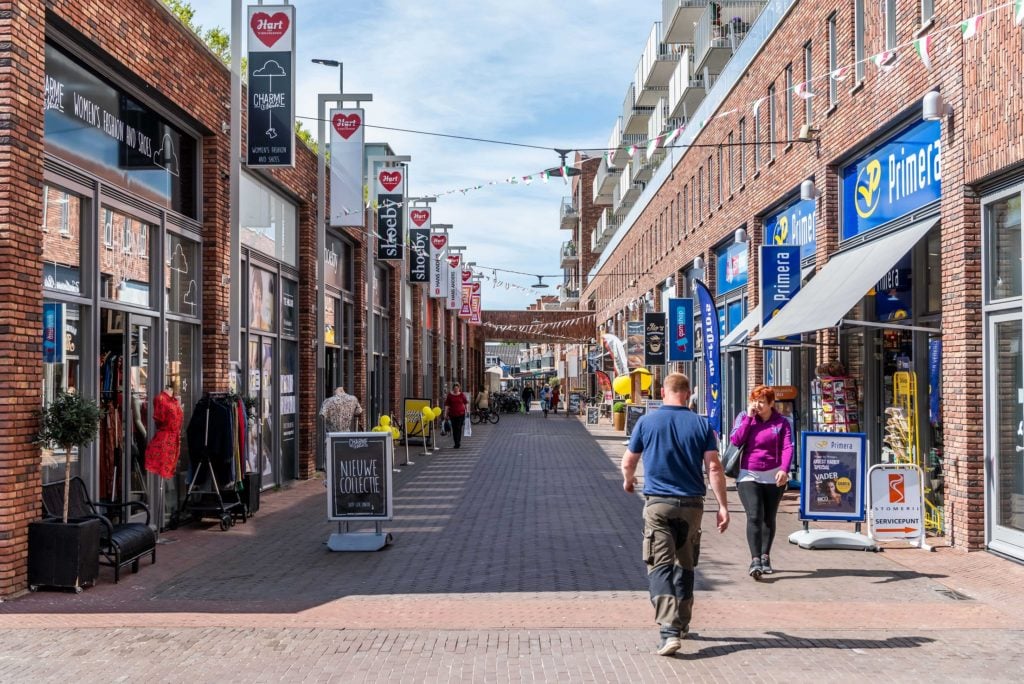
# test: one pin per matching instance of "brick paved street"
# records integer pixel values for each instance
(515, 558)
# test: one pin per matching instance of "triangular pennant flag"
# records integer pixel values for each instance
(923, 46)
(631, 151)
(527, 179)
(544, 176)
(652, 145)
(675, 132)
(802, 90)
(1018, 11)
(885, 60)
(840, 73)
(969, 28)
(565, 175)
(757, 105)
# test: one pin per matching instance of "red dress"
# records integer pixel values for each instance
(165, 447)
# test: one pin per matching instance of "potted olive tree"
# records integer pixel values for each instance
(64, 552)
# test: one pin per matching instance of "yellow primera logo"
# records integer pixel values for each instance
(867, 194)
(781, 231)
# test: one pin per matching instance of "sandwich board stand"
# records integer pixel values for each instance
(832, 489)
(359, 488)
(896, 493)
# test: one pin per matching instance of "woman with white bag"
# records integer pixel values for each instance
(455, 407)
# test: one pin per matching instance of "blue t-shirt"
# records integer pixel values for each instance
(672, 441)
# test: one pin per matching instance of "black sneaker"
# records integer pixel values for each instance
(755, 568)
(669, 645)
(766, 565)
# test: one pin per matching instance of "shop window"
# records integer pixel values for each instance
(62, 222)
(927, 11)
(108, 229)
(808, 80)
(743, 150)
(732, 178)
(757, 142)
(858, 39)
(890, 24)
(268, 220)
(262, 295)
(330, 321)
(62, 347)
(180, 366)
(125, 269)
(789, 102)
(181, 275)
(289, 307)
(127, 235)
(1003, 240)
(933, 244)
(771, 121)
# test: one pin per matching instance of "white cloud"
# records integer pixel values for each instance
(546, 73)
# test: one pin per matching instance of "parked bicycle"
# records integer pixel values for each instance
(483, 414)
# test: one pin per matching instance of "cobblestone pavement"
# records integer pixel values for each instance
(515, 558)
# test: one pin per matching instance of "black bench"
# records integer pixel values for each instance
(121, 543)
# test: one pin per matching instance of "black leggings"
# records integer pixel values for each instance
(761, 502)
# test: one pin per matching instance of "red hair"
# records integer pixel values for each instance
(763, 392)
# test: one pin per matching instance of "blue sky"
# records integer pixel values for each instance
(541, 72)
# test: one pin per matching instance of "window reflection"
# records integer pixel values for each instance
(125, 272)
(62, 230)
(180, 276)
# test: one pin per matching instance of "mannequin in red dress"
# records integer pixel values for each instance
(165, 447)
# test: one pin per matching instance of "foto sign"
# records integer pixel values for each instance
(832, 481)
(897, 502)
(359, 476)
(780, 281)
(270, 138)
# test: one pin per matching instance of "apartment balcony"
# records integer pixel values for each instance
(627, 191)
(570, 255)
(607, 224)
(678, 18)
(616, 154)
(634, 114)
(658, 61)
(641, 167)
(721, 28)
(568, 297)
(604, 180)
(687, 88)
(569, 217)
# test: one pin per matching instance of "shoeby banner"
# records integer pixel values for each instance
(680, 329)
(419, 245)
(438, 265)
(654, 338)
(832, 476)
(270, 139)
(390, 213)
(359, 476)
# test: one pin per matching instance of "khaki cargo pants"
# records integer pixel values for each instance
(671, 549)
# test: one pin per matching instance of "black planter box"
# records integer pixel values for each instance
(64, 555)
(250, 495)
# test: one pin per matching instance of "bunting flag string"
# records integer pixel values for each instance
(923, 47)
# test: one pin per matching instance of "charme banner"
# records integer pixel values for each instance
(439, 265)
(780, 281)
(359, 476)
(419, 245)
(454, 293)
(680, 329)
(710, 336)
(390, 214)
(654, 338)
(271, 103)
(348, 133)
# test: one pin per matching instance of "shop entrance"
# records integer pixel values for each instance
(261, 454)
(1005, 467)
(126, 343)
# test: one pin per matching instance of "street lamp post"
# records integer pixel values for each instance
(321, 229)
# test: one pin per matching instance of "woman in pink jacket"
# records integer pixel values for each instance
(767, 439)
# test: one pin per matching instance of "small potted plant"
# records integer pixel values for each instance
(65, 552)
(619, 415)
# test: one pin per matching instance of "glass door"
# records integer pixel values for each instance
(1005, 432)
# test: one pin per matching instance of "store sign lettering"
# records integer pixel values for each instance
(898, 177)
(793, 226)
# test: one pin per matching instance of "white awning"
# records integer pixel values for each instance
(843, 282)
(741, 332)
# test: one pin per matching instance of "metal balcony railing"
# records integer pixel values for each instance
(569, 253)
(657, 61)
(634, 114)
(721, 28)
(678, 18)
(604, 180)
(568, 216)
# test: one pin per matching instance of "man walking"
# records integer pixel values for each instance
(674, 443)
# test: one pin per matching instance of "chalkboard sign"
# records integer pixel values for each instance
(593, 415)
(633, 414)
(359, 476)
(575, 400)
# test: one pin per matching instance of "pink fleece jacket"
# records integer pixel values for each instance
(769, 443)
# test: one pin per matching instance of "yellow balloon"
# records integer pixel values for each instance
(428, 413)
(622, 384)
(437, 411)
(385, 421)
(395, 433)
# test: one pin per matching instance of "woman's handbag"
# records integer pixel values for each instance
(731, 460)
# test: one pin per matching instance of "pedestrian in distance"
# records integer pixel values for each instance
(545, 399)
(527, 397)
(767, 441)
(555, 396)
(455, 406)
(676, 446)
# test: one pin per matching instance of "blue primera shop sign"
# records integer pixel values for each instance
(899, 176)
(792, 227)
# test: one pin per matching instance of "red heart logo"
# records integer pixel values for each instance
(390, 179)
(466, 275)
(269, 29)
(438, 240)
(476, 288)
(453, 261)
(419, 216)
(346, 124)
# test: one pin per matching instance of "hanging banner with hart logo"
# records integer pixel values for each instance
(347, 167)
(419, 245)
(390, 214)
(270, 139)
(709, 332)
(475, 305)
(438, 265)
(454, 293)
(465, 303)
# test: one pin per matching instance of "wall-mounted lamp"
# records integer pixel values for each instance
(740, 235)
(935, 108)
(698, 263)
(670, 282)
(618, 316)
(808, 134)
(809, 191)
